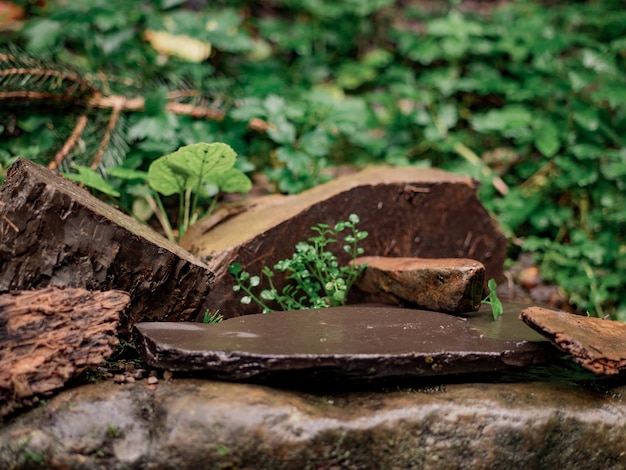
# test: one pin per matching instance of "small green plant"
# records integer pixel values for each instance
(25, 455)
(221, 449)
(493, 300)
(113, 431)
(315, 278)
(214, 317)
(36, 458)
(190, 172)
(195, 171)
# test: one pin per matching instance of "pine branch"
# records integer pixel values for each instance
(97, 159)
(30, 83)
(69, 143)
(25, 79)
(137, 104)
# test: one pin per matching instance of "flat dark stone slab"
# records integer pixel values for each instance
(364, 342)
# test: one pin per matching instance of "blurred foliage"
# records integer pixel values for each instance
(528, 99)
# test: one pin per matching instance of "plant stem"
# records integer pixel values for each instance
(189, 210)
(157, 206)
(182, 214)
(593, 287)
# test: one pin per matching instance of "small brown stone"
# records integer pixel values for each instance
(119, 378)
(444, 285)
(530, 277)
(597, 345)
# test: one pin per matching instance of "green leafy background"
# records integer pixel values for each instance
(524, 97)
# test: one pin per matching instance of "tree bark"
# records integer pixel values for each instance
(596, 344)
(50, 335)
(53, 232)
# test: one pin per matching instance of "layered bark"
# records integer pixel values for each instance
(50, 335)
(56, 233)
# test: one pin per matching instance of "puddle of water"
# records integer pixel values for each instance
(508, 327)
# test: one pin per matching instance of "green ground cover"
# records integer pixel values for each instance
(529, 99)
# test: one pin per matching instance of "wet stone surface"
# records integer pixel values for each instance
(356, 342)
(191, 423)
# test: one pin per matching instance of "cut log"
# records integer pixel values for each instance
(451, 285)
(55, 233)
(408, 212)
(50, 335)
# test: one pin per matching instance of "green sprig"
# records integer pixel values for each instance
(315, 279)
(493, 300)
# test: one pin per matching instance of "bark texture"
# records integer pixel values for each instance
(596, 344)
(55, 233)
(50, 335)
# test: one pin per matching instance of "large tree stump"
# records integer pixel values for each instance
(55, 233)
(408, 212)
(50, 335)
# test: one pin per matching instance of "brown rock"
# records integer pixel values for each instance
(444, 285)
(597, 345)
(50, 335)
(55, 233)
(356, 342)
(408, 212)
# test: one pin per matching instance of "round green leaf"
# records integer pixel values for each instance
(547, 139)
(268, 294)
(185, 168)
(231, 181)
(282, 131)
(167, 178)
(235, 268)
(587, 118)
(204, 159)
